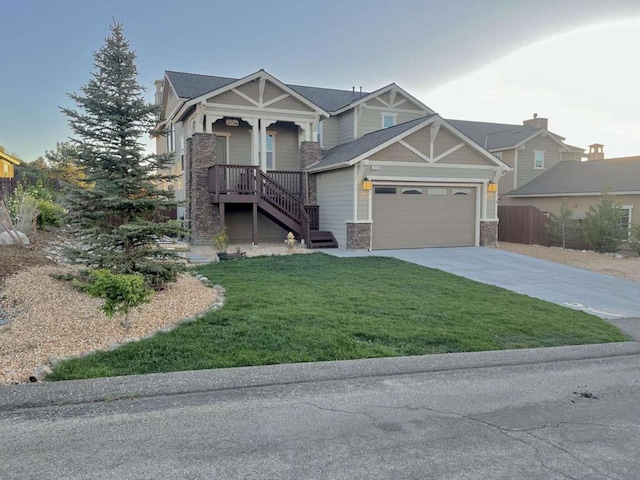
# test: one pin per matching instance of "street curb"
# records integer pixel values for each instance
(72, 392)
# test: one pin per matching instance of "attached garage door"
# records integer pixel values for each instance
(423, 216)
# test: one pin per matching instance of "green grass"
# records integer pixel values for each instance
(306, 308)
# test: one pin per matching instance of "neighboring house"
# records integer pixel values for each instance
(580, 185)
(529, 149)
(357, 169)
(7, 162)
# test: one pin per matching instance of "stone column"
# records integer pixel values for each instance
(488, 232)
(310, 153)
(358, 236)
(203, 216)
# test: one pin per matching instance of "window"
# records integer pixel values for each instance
(319, 133)
(625, 221)
(385, 190)
(461, 191)
(271, 160)
(411, 191)
(538, 160)
(5, 168)
(437, 191)
(388, 120)
(171, 137)
(181, 153)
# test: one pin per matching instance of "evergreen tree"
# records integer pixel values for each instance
(115, 218)
(63, 165)
(602, 227)
(563, 229)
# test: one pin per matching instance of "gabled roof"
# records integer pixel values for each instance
(570, 177)
(495, 135)
(350, 153)
(342, 154)
(500, 136)
(9, 158)
(191, 85)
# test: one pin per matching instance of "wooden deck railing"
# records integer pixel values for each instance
(313, 211)
(250, 180)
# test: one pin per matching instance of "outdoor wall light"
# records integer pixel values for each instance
(492, 187)
(366, 184)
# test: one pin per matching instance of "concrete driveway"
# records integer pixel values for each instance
(602, 295)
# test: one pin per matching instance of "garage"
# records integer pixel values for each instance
(408, 216)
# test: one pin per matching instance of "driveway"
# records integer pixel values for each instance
(602, 295)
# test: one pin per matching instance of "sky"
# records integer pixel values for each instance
(572, 61)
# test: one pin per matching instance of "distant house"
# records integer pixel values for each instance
(360, 170)
(529, 149)
(7, 162)
(581, 184)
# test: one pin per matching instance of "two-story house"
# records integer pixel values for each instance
(358, 169)
(529, 149)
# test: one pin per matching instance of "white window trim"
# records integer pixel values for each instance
(389, 114)
(534, 159)
(629, 208)
(320, 134)
(273, 150)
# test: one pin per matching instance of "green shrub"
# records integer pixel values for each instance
(121, 292)
(602, 227)
(50, 214)
(563, 229)
(634, 239)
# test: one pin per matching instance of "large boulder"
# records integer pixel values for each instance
(6, 239)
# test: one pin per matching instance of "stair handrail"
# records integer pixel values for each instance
(296, 211)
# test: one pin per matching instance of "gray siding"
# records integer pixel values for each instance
(329, 133)
(239, 142)
(239, 221)
(552, 157)
(335, 197)
(286, 146)
(505, 184)
(345, 127)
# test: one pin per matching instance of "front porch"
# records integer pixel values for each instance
(276, 194)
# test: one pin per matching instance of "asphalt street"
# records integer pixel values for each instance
(572, 419)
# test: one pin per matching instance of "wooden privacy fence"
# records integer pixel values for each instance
(522, 224)
(7, 186)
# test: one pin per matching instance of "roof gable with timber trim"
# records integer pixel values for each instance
(235, 86)
(391, 97)
(363, 148)
(8, 158)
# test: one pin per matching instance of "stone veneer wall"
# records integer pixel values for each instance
(358, 236)
(310, 153)
(488, 233)
(202, 215)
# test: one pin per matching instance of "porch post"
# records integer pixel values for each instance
(255, 140)
(222, 222)
(255, 224)
(263, 145)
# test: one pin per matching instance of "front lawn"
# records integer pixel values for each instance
(306, 308)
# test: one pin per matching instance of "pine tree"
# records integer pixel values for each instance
(563, 229)
(602, 225)
(115, 215)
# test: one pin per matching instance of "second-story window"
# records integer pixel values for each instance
(171, 139)
(319, 133)
(538, 159)
(388, 120)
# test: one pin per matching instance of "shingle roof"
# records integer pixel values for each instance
(495, 135)
(342, 154)
(191, 85)
(614, 174)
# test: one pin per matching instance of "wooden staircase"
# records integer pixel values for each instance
(249, 184)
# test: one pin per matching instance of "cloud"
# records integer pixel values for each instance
(585, 81)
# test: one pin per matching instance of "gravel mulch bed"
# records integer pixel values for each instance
(51, 319)
(626, 267)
